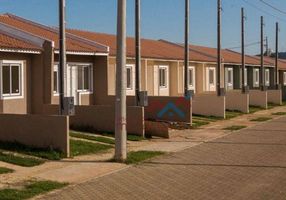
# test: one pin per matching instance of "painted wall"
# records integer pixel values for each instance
(258, 98)
(237, 101)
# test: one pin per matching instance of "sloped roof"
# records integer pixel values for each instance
(11, 43)
(156, 49)
(48, 33)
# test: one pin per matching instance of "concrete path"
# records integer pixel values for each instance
(250, 164)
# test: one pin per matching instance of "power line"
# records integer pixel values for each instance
(261, 10)
(247, 45)
(273, 7)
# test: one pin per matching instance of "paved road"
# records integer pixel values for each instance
(250, 164)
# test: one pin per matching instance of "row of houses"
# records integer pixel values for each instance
(29, 54)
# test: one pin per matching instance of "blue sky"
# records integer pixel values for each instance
(163, 19)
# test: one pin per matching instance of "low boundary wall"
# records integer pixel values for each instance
(209, 104)
(236, 100)
(172, 109)
(274, 96)
(102, 118)
(41, 131)
(258, 98)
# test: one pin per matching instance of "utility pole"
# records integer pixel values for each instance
(138, 49)
(262, 56)
(187, 17)
(242, 51)
(120, 100)
(266, 46)
(62, 56)
(218, 47)
(276, 79)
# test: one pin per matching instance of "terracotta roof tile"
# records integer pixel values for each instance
(150, 48)
(47, 33)
(11, 43)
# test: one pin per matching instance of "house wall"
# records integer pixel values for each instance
(19, 105)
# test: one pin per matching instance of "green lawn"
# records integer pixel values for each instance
(254, 109)
(206, 118)
(272, 105)
(199, 123)
(19, 160)
(129, 136)
(4, 170)
(234, 128)
(232, 114)
(135, 157)
(31, 190)
(78, 148)
(24, 149)
(81, 135)
(261, 119)
(279, 113)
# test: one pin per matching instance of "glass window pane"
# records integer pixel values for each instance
(56, 82)
(129, 75)
(191, 77)
(162, 73)
(6, 79)
(15, 79)
(229, 76)
(86, 78)
(80, 78)
(211, 76)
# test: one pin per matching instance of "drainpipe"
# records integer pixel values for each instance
(120, 100)
(187, 16)
(62, 54)
(138, 51)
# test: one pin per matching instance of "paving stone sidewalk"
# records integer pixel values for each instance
(249, 164)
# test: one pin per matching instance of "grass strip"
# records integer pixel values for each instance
(234, 128)
(4, 170)
(135, 157)
(84, 148)
(207, 118)
(279, 113)
(254, 109)
(261, 119)
(92, 138)
(30, 190)
(199, 123)
(232, 114)
(18, 160)
(37, 152)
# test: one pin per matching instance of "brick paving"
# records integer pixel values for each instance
(250, 164)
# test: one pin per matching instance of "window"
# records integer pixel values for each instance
(229, 76)
(267, 77)
(11, 79)
(191, 74)
(284, 78)
(256, 77)
(56, 79)
(84, 78)
(129, 77)
(163, 77)
(245, 77)
(211, 76)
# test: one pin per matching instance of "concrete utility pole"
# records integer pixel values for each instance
(62, 56)
(276, 79)
(242, 51)
(120, 101)
(138, 50)
(187, 17)
(218, 47)
(262, 84)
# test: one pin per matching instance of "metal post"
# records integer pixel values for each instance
(218, 47)
(186, 61)
(276, 79)
(120, 101)
(262, 84)
(242, 51)
(62, 55)
(138, 50)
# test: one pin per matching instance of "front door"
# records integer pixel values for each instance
(72, 81)
(210, 79)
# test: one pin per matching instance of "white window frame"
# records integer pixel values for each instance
(284, 78)
(56, 69)
(132, 77)
(245, 76)
(193, 85)
(90, 66)
(19, 95)
(229, 70)
(213, 77)
(165, 68)
(256, 81)
(267, 77)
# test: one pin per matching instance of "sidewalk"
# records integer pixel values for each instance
(248, 164)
